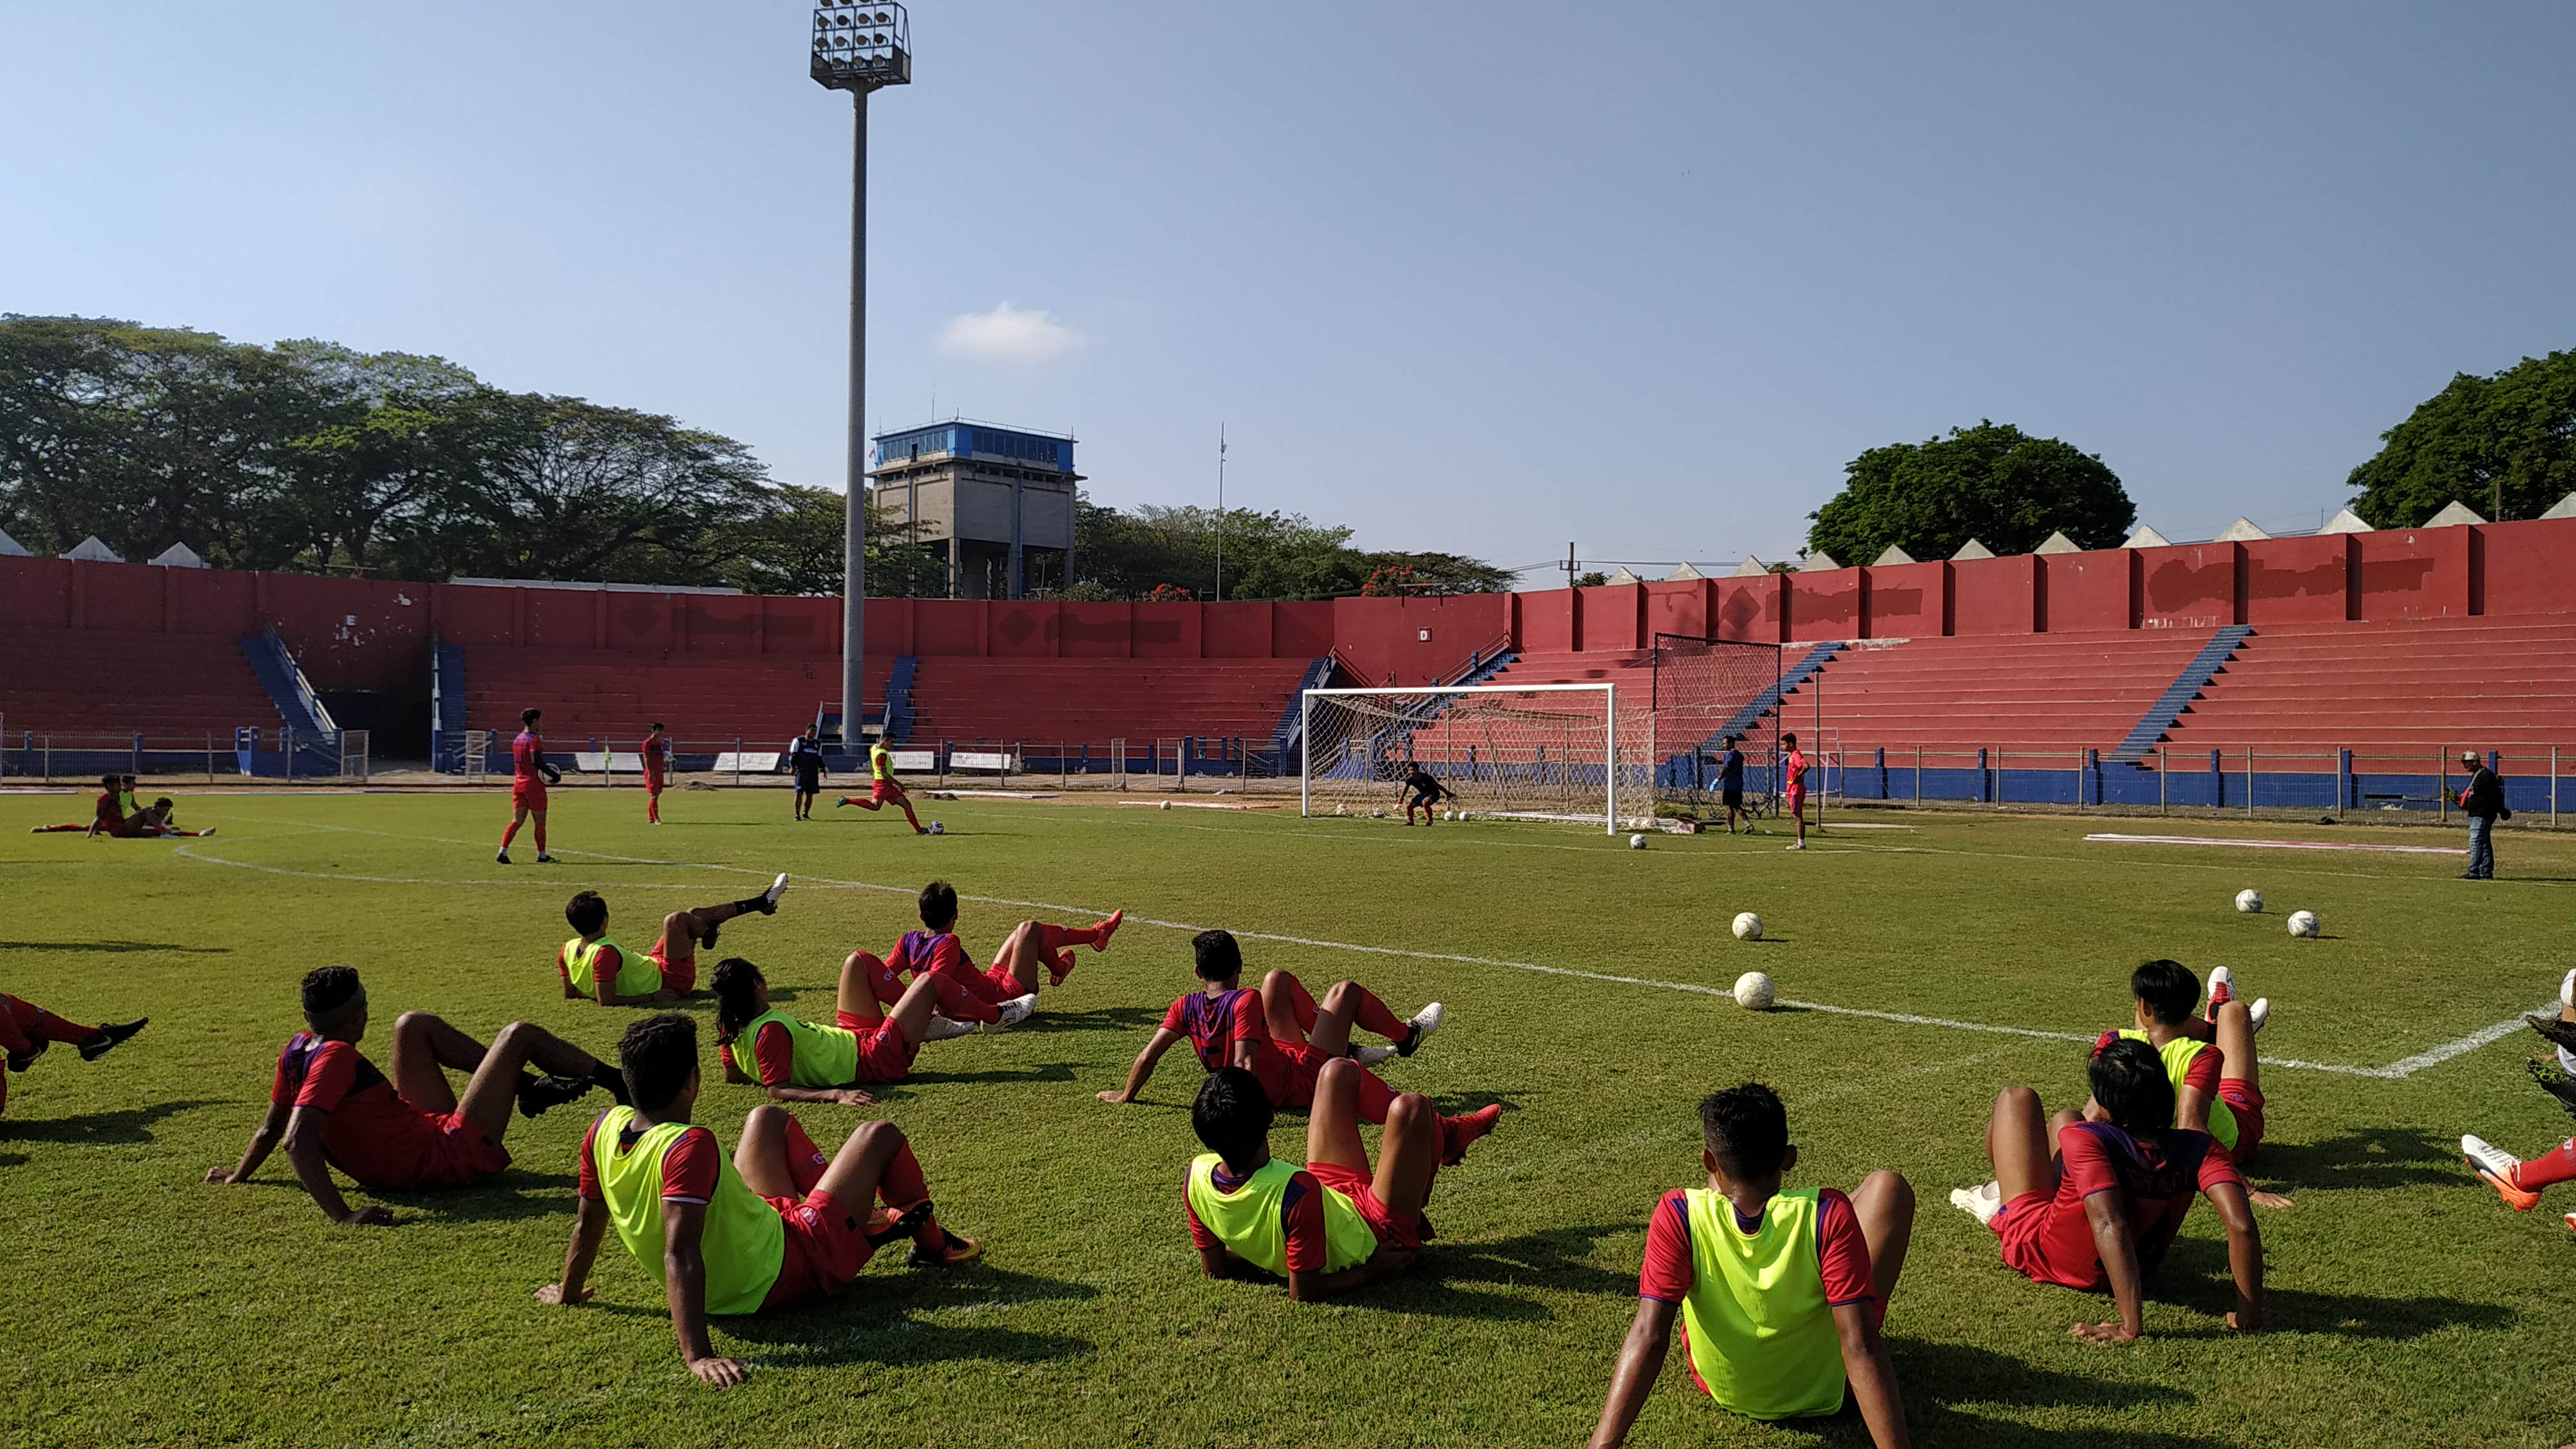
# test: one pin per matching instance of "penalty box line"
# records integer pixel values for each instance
(2398, 1070)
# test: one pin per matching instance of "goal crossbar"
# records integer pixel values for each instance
(1504, 751)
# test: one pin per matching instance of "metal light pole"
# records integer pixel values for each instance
(858, 48)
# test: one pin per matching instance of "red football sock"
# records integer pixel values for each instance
(881, 978)
(39, 1025)
(653, 810)
(1457, 1132)
(805, 1161)
(1376, 1097)
(1302, 1002)
(901, 1186)
(1056, 938)
(541, 837)
(2539, 1172)
(1374, 1017)
(510, 834)
(915, 820)
(13, 1037)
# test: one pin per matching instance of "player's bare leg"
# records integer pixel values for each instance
(1410, 1149)
(916, 1010)
(1287, 1007)
(1023, 953)
(2017, 1139)
(876, 1162)
(1884, 1203)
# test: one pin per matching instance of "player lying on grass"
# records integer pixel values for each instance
(882, 789)
(1284, 1038)
(778, 1226)
(333, 1108)
(591, 965)
(530, 774)
(798, 1061)
(2210, 1060)
(2101, 1211)
(1329, 1227)
(1780, 1291)
(2518, 1182)
(1002, 994)
(114, 814)
(26, 1029)
(1423, 793)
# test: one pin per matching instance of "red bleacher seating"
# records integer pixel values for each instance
(1036, 702)
(98, 683)
(2400, 691)
(1627, 668)
(2039, 691)
(709, 700)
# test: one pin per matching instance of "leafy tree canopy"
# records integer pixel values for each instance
(1992, 482)
(2504, 445)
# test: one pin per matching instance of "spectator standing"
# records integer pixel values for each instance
(2482, 800)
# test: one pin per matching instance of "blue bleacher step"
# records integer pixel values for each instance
(2149, 731)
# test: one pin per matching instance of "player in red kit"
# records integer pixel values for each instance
(26, 1029)
(656, 754)
(1004, 993)
(529, 776)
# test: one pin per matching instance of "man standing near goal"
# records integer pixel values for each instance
(529, 777)
(1422, 793)
(656, 755)
(805, 760)
(1730, 781)
(1793, 786)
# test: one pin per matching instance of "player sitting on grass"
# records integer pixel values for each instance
(26, 1029)
(591, 965)
(1330, 1226)
(2103, 1209)
(798, 1061)
(777, 1226)
(1285, 1040)
(1424, 794)
(2210, 1060)
(1006, 992)
(2516, 1181)
(1780, 1292)
(883, 789)
(334, 1108)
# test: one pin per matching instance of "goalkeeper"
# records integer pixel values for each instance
(1423, 793)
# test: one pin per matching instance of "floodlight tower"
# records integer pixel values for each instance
(859, 46)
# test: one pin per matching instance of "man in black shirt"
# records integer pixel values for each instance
(2482, 800)
(1425, 791)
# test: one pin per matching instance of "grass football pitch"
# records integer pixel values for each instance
(2408, 1306)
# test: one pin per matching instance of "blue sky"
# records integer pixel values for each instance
(1486, 278)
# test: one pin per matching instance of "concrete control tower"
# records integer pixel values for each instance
(995, 503)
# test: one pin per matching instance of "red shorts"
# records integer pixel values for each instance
(464, 1156)
(2247, 1103)
(1795, 800)
(1305, 1065)
(827, 1245)
(1406, 1232)
(884, 1054)
(2046, 1246)
(884, 791)
(682, 978)
(528, 795)
(652, 784)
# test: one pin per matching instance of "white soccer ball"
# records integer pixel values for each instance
(1165, 805)
(938, 829)
(1754, 991)
(2249, 901)
(2303, 924)
(1748, 926)
(1636, 842)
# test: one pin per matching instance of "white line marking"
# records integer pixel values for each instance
(2395, 1071)
(2118, 839)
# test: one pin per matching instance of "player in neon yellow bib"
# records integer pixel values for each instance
(1329, 1227)
(799, 1061)
(1780, 1290)
(777, 1225)
(882, 788)
(2211, 1060)
(599, 969)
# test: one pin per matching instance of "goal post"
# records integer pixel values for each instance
(1544, 751)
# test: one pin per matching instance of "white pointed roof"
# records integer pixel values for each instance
(2243, 530)
(1751, 568)
(1972, 549)
(2057, 543)
(12, 548)
(2566, 508)
(180, 556)
(1818, 562)
(2348, 521)
(93, 551)
(1620, 575)
(2453, 512)
(1893, 556)
(1685, 571)
(2145, 537)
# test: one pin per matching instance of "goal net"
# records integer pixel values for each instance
(1559, 751)
(1705, 690)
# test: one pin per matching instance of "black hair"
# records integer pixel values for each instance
(1232, 1116)
(529, 716)
(1746, 1129)
(329, 987)
(1219, 958)
(657, 726)
(736, 985)
(2129, 1081)
(939, 905)
(2169, 989)
(1790, 740)
(1731, 739)
(587, 912)
(107, 782)
(657, 1056)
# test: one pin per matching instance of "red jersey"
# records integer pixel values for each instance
(930, 951)
(2161, 1172)
(1216, 1023)
(108, 813)
(1794, 773)
(1301, 1218)
(526, 753)
(654, 759)
(369, 1131)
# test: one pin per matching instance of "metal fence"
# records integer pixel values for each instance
(278, 752)
(1021, 763)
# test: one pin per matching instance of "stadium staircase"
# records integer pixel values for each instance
(1769, 699)
(2187, 686)
(2054, 692)
(898, 699)
(1287, 740)
(447, 706)
(289, 693)
(102, 683)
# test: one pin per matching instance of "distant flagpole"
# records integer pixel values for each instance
(1220, 511)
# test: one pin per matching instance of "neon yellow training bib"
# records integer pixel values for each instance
(880, 762)
(636, 975)
(745, 1241)
(826, 1056)
(1247, 1220)
(2177, 1055)
(1760, 1332)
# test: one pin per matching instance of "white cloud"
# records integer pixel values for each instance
(1008, 334)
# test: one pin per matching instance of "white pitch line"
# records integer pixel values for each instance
(2116, 838)
(2394, 1071)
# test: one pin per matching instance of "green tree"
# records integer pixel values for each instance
(1441, 573)
(1992, 482)
(795, 546)
(2505, 445)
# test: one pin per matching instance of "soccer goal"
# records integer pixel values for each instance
(1542, 751)
(1704, 691)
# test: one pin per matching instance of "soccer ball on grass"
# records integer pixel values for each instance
(2249, 901)
(1754, 991)
(2303, 924)
(938, 829)
(1636, 842)
(1748, 927)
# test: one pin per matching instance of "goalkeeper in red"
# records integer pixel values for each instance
(529, 777)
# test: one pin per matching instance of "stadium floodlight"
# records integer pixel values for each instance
(859, 46)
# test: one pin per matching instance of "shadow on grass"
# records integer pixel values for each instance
(1469, 1280)
(1043, 1072)
(514, 1196)
(1940, 1379)
(13, 1159)
(2366, 1158)
(1102, 1018)
(2194, 1275)
(119, 948)
(879, 1319)
(123, 1128)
